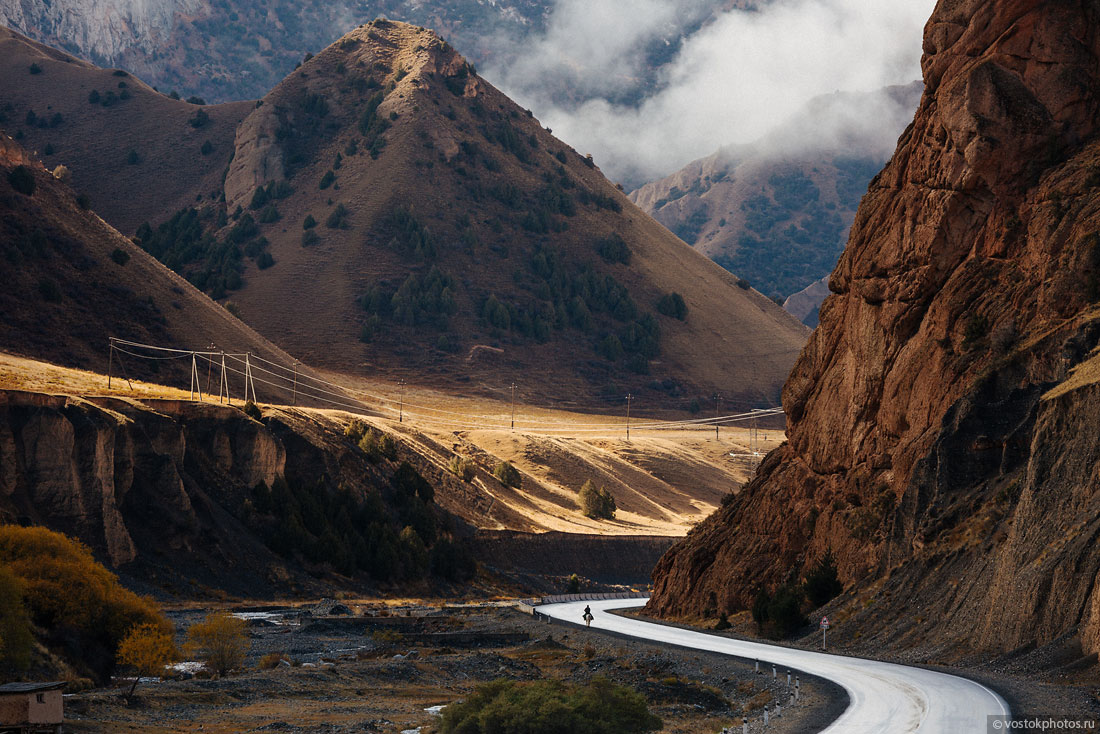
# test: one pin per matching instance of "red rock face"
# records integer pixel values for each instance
(967, 279)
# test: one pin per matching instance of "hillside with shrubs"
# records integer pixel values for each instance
(385, 207)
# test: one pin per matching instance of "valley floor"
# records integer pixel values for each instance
(362, 673)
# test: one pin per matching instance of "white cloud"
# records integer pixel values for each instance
(740, 77)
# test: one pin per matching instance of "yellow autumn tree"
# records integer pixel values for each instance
(148, 649)
(220, 641)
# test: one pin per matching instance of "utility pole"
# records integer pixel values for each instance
(717, 399)
(401, 403)
(294, 393)
(513, 387)
(110, 362)
(209, 365)
(629, 398)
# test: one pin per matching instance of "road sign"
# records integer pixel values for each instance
(824, 623)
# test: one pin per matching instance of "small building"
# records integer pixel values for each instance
(31, 708)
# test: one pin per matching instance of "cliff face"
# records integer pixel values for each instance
(921, 449)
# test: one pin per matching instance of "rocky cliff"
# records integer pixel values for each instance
(939, 415)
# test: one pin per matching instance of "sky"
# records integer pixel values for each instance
(737, 78)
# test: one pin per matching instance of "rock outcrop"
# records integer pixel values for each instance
(938, 418)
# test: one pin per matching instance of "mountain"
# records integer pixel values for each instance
(941, 418)
(137, 153)
(240, 49)
(777, 212)
(72, 282)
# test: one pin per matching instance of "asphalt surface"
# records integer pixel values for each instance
(885, 698)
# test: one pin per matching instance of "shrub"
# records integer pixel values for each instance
(462, 468)
(22, 180)
(272, 660)
(779, 615)
(508, 475)
(265, 261)
(207, 147)
(148, 649)
(269, 214)
(310, 238)
(84, 201)
(822, 583)
(338, 219)
(574, 584)
(355, 430)
(549, 707)
(78, 603)
(196, 100)
(596, 503)
(723, 622)
(613, 249)
(16, 639)
(200, 119)
(133, 158)
(309, 222)
(252, 411)
(34, 69)
(220, 641)
(48, 149)
(326, 180)
(977, 327)
(120, 256)
(93, 96)
(672, 304)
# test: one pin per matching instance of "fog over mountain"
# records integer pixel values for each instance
(727, 76)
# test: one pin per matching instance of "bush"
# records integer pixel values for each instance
(452, 561)
(78, 603)
(220, 641)
(148, 649)
(34, 69)
(93, 96)
(271, 660)
(550, 707)
(574, 584)
(309, 222)
(310, 238)
(252, 411)
(207, 147)
(120, 256)
(508, 475)
(22, 180)
(779, 615)
(672, 304)
(201, 119)
(133, 158)
(84, 201)
(338, 219)
(613, 249)
(355, 430)
(265, 261)
(16, 639)
(326, 180)
(462, 468)
(597, 504)
(822, 583)
(269, 214)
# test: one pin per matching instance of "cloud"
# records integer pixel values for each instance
(740, 76)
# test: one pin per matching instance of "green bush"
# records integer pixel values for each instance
(779, 615)
(822, 583)
(252, 411)
(596, 503)
(34, 69)
(310, 238)
(16, 639)
(22, 180)
(613, 249)
(508, 475)
(672, 304)
(133, 157)
(309, 222)
(207, 147)
(338, 218)
(120, 256)
(200, 119)
(462, 468)
(550, 707)
(326, 180)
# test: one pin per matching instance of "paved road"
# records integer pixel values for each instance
(885, 698)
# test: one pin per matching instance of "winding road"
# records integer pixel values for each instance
(885, 698)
